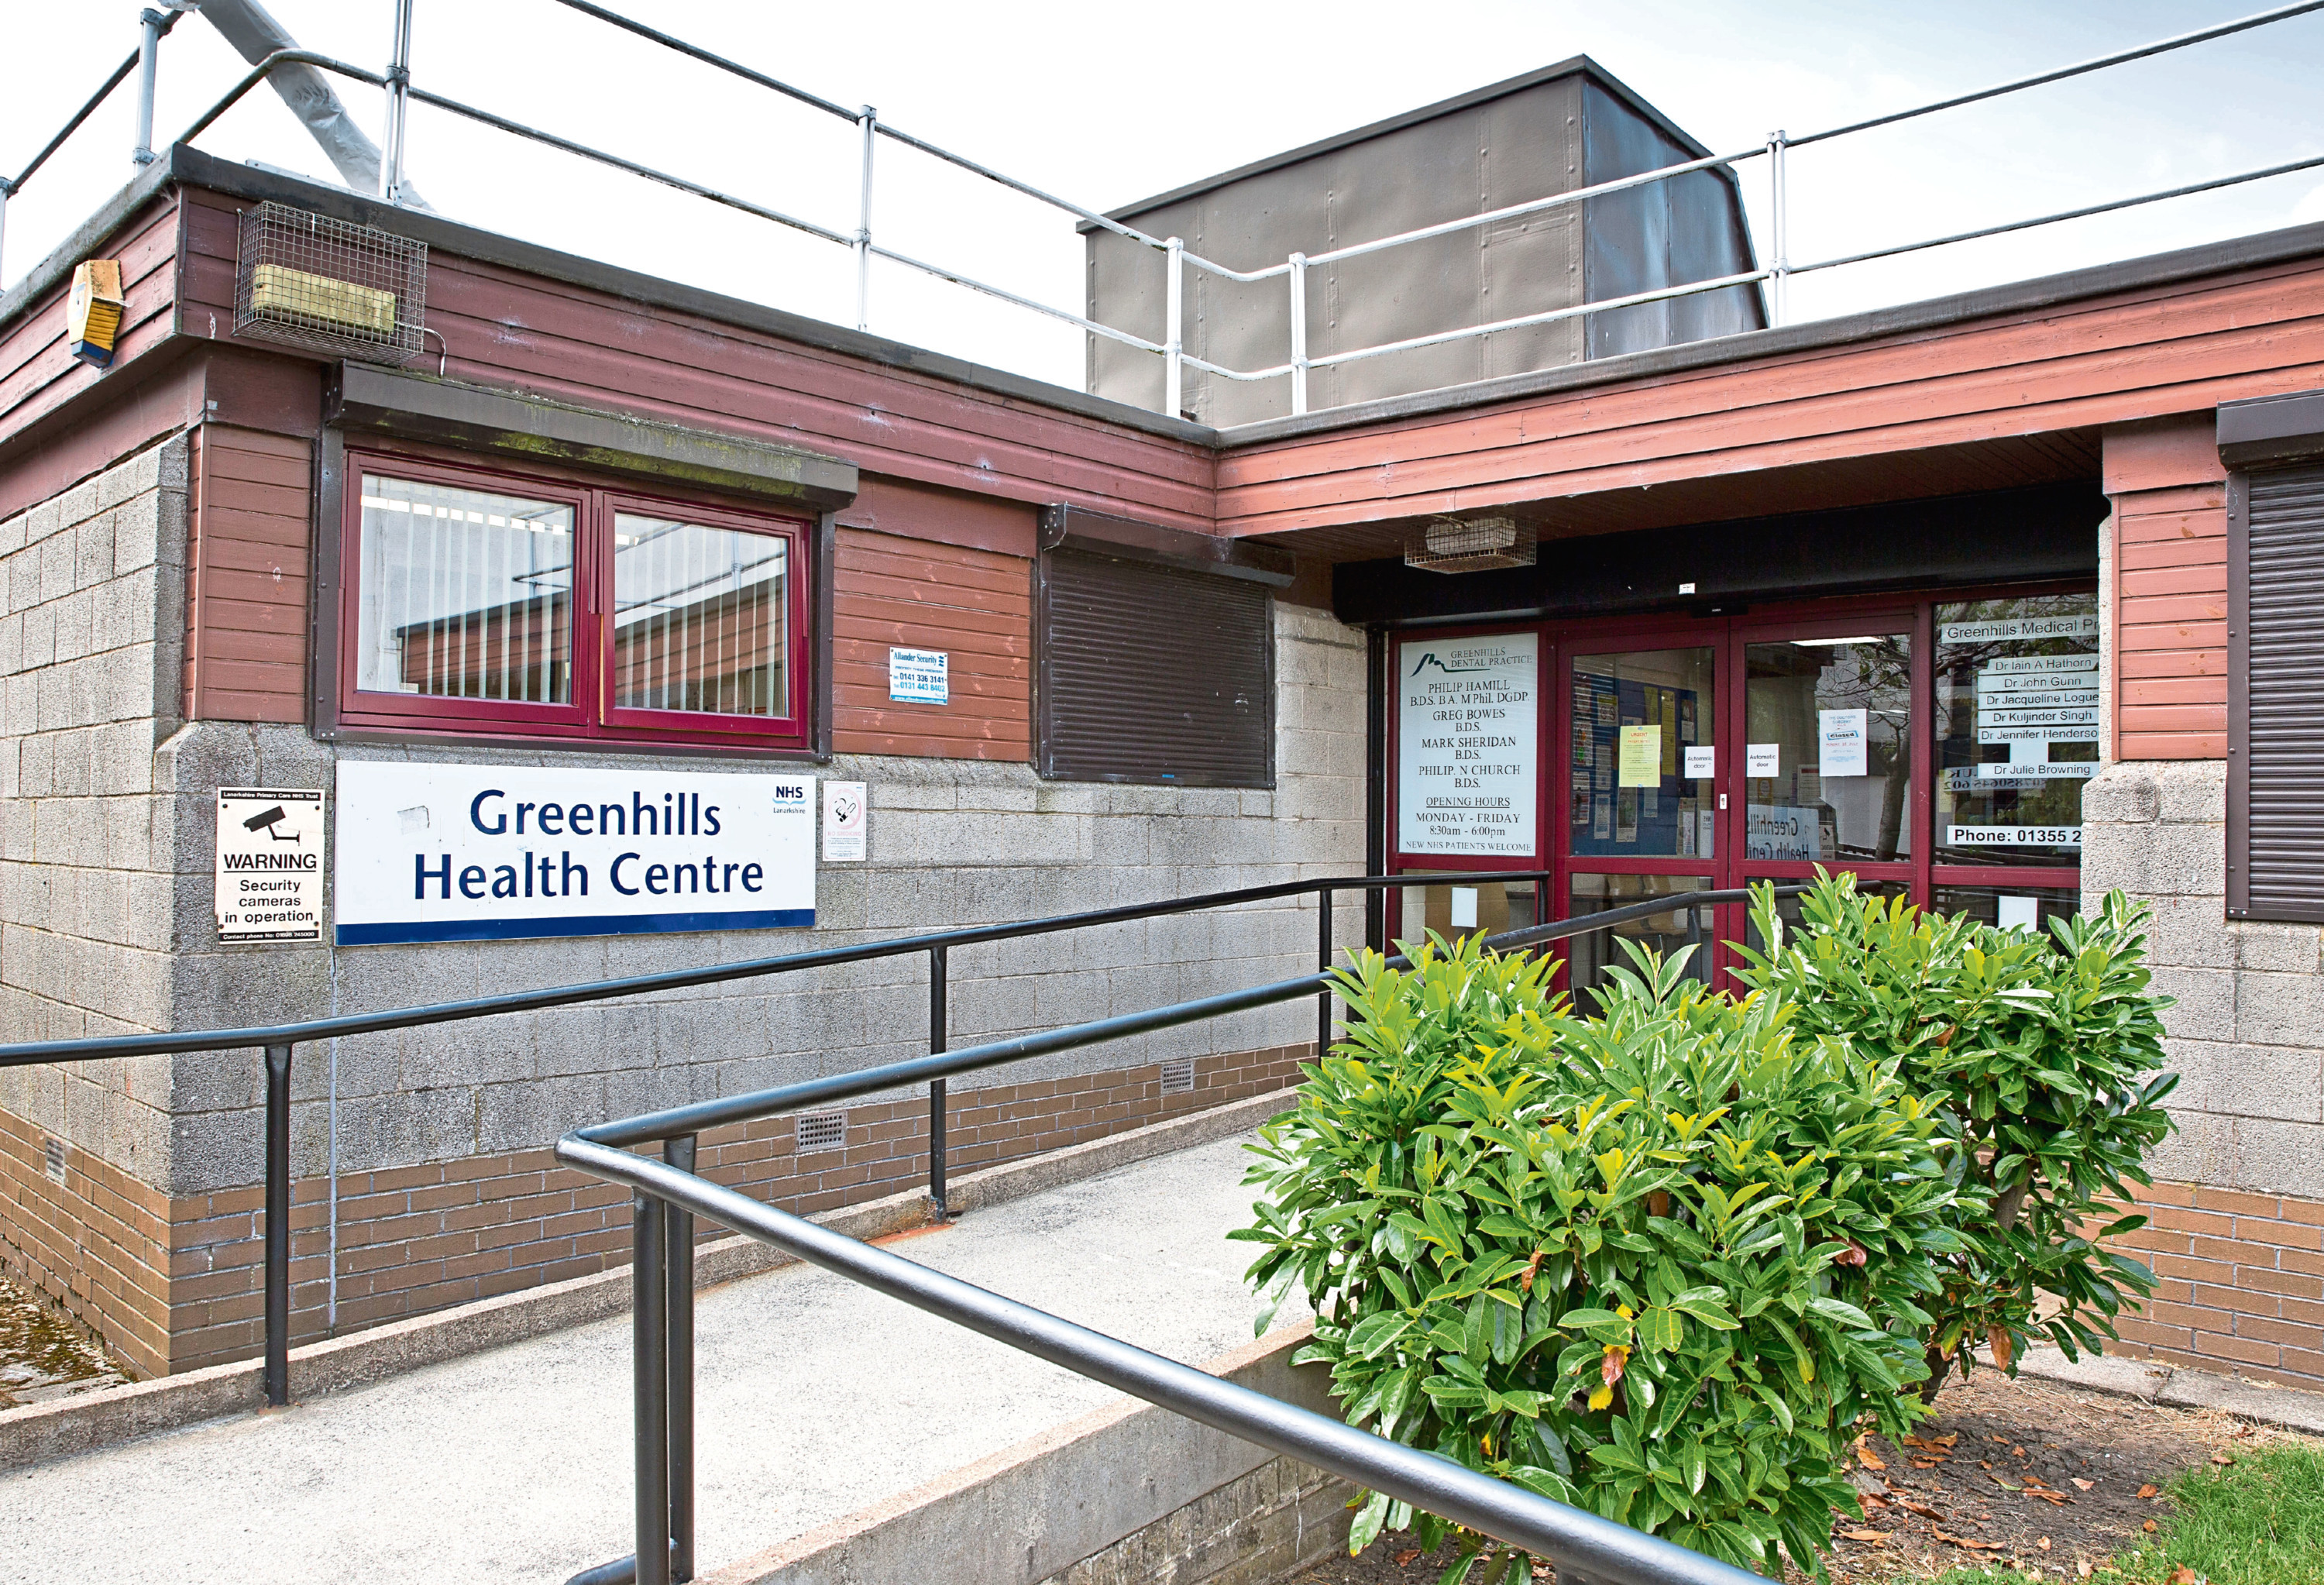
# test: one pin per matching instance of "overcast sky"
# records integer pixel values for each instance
(1109, 103)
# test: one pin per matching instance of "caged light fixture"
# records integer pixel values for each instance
(1472, 544)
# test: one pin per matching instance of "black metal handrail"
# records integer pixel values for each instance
(668, 1195)
(278, 1041)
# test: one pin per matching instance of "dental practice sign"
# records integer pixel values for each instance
(495, 852)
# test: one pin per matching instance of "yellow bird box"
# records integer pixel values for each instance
(94, 313)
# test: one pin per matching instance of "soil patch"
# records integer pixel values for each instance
(2026, 1474)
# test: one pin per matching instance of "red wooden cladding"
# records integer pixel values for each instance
(37, 374)
(2176, 348)
(504, 326)
(2170, 575)
(976, 605)
(246, 597)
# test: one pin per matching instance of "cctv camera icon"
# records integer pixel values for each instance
(267, 822)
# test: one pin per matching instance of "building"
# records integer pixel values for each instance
(1994, 599)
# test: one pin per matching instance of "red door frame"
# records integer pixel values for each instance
(1728, 636)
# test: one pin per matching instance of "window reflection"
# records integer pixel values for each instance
(1589, 956)
(1830, 721)
(1635, 716)
(2017, 714)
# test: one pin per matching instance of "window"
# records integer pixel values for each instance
(2017, 728)
(525, 607)
(1147, 673)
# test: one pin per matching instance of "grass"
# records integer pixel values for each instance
(2257, 1521)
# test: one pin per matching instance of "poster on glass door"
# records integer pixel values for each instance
(1468, 720)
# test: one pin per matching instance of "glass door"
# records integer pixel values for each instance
(1637, 810)
(1825, 775)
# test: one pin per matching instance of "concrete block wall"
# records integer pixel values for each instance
(92, 632)
(952, 843)
(2237, 1231)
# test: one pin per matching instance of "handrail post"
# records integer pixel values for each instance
(679, 1281)
(1323, 964)
(650, 1387)
(278, 1226)
(149, 59)
(1779, 303)
(936, 1038)
(399, 107)
(6, 187)
(1174, 338)
(870, 122)
(1299, 333)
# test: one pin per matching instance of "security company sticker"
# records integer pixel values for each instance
(270, 864)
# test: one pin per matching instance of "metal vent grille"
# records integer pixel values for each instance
(1178, 1076)
(56, 1161)
(822, 1131)
(352, 290)
(1472, 544)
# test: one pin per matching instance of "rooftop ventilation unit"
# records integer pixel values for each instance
(1472, 544)
(350, 290)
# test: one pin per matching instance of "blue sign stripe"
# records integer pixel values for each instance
(583, 925)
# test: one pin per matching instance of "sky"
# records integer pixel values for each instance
(1104, 105)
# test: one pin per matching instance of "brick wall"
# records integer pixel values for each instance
(97, 1243)
(2241, 1285)
(413, 1238)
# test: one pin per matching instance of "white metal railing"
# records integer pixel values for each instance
(1297, 366)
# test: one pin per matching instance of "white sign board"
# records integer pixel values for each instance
(1761, 758)
(1844, 734)
(847, 821)
(1702, 763)
(1468, 720)
(2013, 629)
(919, 677)
(270, 864)
(2021, 836)
(492, 852)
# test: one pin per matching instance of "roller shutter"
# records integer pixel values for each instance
(1149, 673)
(2276, 795)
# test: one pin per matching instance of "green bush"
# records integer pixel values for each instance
(1659, 1263)
(2046, 1052)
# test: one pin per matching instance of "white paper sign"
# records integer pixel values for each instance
(2019, 913)
(919, 677)
(1761, 758)
(1702, 763)
(270, 864)
(491, 852)
(1468, 717)
(1843, 734)
(847, 821)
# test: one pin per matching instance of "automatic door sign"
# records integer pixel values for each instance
(270, 864)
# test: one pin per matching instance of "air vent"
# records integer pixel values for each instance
(350, 290)
(1472, 544)
(822, 1131)
(56, 1161)
(1178, 1076)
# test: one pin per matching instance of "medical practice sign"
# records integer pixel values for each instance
(495, 852)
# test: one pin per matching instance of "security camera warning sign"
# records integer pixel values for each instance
(270, 864)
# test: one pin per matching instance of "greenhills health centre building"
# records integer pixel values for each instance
(641, 628)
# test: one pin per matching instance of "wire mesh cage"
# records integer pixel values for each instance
(330, 286)
(1472, 544)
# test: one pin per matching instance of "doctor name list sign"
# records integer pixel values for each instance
(492, 852)
(1468, 727)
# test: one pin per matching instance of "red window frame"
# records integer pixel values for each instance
(591, 716)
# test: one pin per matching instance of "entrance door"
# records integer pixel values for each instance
(1824, 772)
(1637, 811)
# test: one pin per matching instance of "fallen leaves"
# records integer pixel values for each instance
(2183, 1575)
(2223, 1460)
(1922, 1508)
(1872, 1535)
(1868, 1459)
(2148, 1526)
(2150, 1491)
(1967, 1543)
(2082, 1485)
(1404, 1559)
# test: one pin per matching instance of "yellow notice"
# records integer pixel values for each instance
(1642, 757)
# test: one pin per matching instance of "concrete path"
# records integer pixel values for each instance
(817, 1398)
